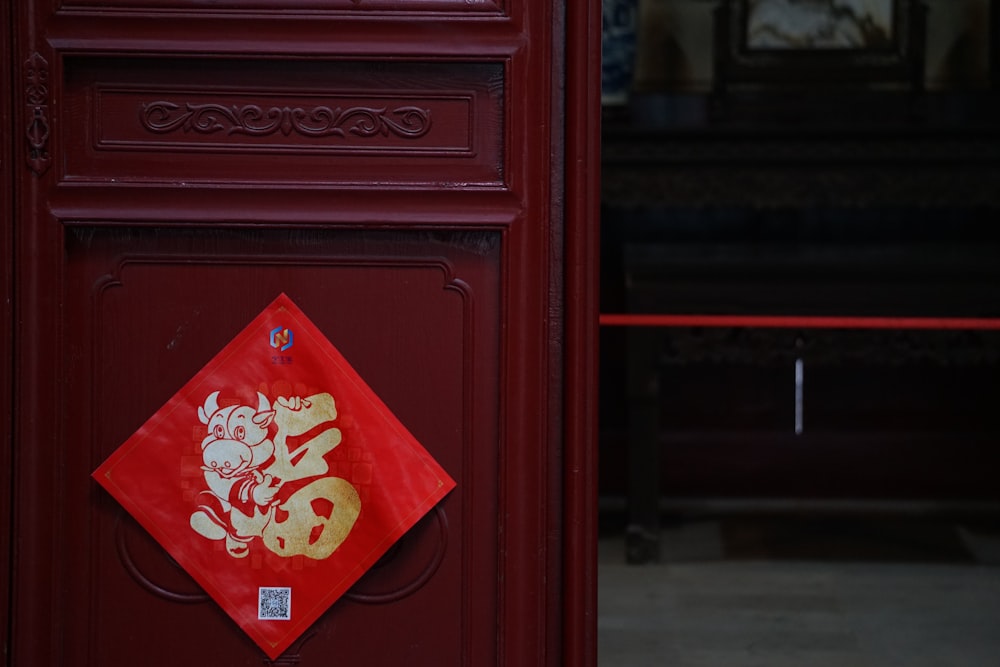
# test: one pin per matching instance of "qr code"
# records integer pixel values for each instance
(274, 604)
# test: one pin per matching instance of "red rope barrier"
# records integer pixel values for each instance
(799, 321)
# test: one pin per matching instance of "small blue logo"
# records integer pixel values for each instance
(282, 339)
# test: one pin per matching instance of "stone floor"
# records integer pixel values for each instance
(804, 592)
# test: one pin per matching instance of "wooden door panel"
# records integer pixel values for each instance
(6, 317)
(415, 314)
(396, 167)
(321, 122)
(329, 7)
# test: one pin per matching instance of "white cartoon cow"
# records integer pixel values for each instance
(257, 487)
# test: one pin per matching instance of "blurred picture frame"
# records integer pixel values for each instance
(811, 25)
(781, 43)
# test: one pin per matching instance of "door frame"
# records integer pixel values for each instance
(582, 72)
(7, 172)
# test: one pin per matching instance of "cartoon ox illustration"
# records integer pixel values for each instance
(257, 487)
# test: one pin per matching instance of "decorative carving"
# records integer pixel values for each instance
(432, 565)
(36, 97)
(128, 562)
(292, 655)
(408, 122)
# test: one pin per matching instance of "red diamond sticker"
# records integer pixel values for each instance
(275, 477)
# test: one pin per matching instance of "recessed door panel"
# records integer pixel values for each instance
(416, 316)
(345, 7)
(322, 122)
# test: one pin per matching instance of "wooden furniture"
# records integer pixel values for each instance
(801, 205)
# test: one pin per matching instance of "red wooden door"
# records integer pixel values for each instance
(6, 313)
(411, 175)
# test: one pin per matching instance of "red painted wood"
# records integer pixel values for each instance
(6, 310)
(452, 266)
(582, 204)
(38, 563)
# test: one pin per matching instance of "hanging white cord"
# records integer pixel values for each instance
(799, 382)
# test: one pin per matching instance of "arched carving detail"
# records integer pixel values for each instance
(425, 575)
(128, 562)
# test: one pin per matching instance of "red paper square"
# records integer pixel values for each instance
(275, 477)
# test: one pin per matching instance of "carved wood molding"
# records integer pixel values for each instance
(137, 571)
(293, 655)
(439, 539)
(332, 9)
(407, 122)
(36, 98)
